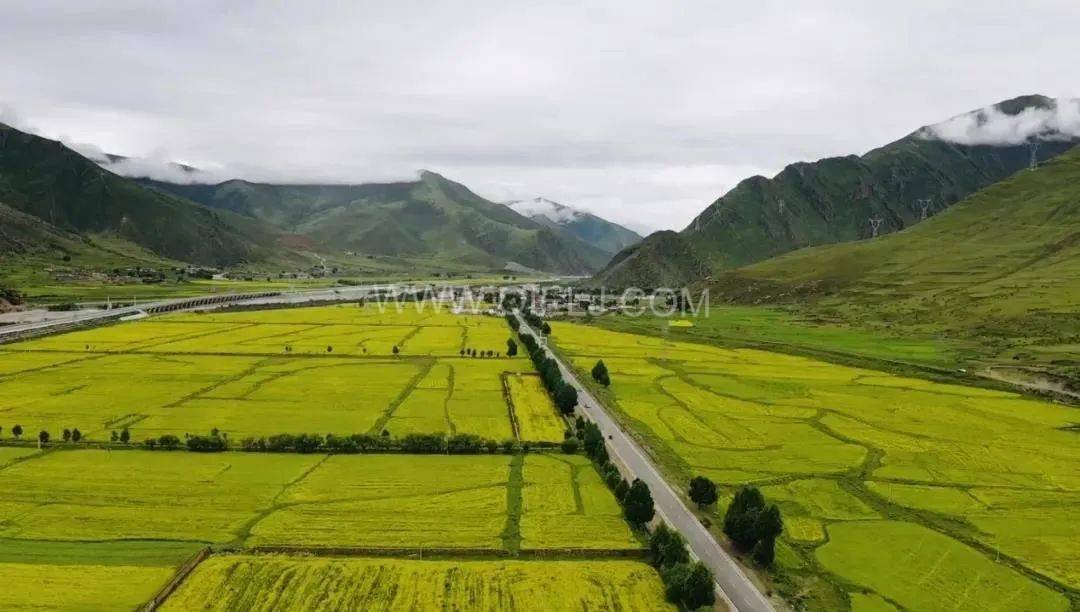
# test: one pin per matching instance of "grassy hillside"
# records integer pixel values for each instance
(1003, 266)
(833, 200)
(430, 218)
(45, 179)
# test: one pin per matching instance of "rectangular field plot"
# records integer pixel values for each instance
(86, 576)
(79, 587)
(537, 417)
(366, 501)
(565, 504)
(232, 582)
(847, 442)
(388, 501)
(324, 370)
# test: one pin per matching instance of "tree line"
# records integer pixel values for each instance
(415, 443)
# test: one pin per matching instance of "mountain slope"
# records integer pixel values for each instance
(665, 259)
(1000, 270)
(45, 179)
(591, 229)
(432, 217)
(833, 200)
(1011, 248)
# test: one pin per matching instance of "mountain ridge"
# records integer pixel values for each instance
(834, 199)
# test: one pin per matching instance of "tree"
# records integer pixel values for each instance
(511, 347)
(43, 437)
(765, 552)
(395, 350)
(76, 435)
(329, 349)
(16, 431)
(600, 373)
(570, 445)
(66, 435)
(698, 588)
(545, 329)
(740, 520)
(566, 398)
(702, 491)
(114, 436)
(462, 353)
(667, 547)
(125, 436)
(638, 504)
(621, 489)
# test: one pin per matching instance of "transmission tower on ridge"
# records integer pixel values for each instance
(780, 205)
(1034, 158)
(924, 205)
(875, 225)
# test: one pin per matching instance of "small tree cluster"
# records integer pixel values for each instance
(702, 491)
(600, 373)
(511, 347)
(752, 525)
(689, 584)
(214, 442)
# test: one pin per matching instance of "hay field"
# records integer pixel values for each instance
(234, 582)
(849, 453)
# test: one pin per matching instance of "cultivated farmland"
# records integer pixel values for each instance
(234, 582)
(369, 501)
(325, 370)
(976, 489)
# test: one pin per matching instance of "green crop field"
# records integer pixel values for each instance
(977, 488)
(233, 582)
(324, 369)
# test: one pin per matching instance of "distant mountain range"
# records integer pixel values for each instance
(432, 217)
(50, 190)
(49, 181)
(842, 199)
(600, 233)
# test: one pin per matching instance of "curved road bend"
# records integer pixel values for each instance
(732, 584)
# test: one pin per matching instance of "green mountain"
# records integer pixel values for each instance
(432, 217)
(49, 181)
(835, 199)
(1002, 267)
(664, 259)
(587, 227)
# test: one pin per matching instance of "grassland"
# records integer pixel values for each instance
(839, 449)
(325, 370)
(232, 582)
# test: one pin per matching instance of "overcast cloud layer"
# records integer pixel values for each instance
(642, 112)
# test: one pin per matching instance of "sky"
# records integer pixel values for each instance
(641, 112)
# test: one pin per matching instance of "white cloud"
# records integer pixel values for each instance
(991, 126)
(554, 211)
(638, 111)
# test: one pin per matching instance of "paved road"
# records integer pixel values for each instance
(732, 584)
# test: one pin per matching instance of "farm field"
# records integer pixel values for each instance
(232, 582)
(978, 488)
(537, 416)
(247, 499)
(259, 373)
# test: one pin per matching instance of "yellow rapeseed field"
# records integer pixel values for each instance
(245, 582)
(850, 454)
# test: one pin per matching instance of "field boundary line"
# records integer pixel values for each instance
(508, 397)
(380, 423)
(181, 574)
(515, 484)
